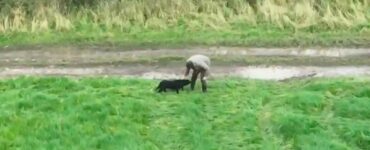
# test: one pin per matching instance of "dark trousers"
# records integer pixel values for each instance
(194, 78)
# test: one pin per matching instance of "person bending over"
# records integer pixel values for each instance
(200, 64)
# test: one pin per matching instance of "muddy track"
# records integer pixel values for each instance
(278, 64)
(151, 72)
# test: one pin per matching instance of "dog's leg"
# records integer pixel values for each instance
(177, 91)
(193, 79)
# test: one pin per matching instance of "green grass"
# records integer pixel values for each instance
(180, 37)
(116, 113)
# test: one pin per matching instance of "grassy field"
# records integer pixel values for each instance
(167, 23)
(115, 113)
(179, 37)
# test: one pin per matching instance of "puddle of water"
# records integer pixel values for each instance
(272, 73)
(252, 72)
(159, 75)
(282, 73)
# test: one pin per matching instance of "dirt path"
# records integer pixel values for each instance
(257, 63)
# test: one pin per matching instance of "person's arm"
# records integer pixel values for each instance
(187, 71)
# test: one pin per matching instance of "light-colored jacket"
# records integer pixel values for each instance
(200, 62)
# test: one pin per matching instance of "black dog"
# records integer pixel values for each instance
(172, 84)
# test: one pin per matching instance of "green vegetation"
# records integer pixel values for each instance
(113, 113)
(133, 23)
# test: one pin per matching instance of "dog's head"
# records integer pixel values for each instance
(184, 82)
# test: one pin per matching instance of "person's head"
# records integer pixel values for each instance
(189, 65)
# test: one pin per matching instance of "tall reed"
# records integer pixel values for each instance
(64, 15)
